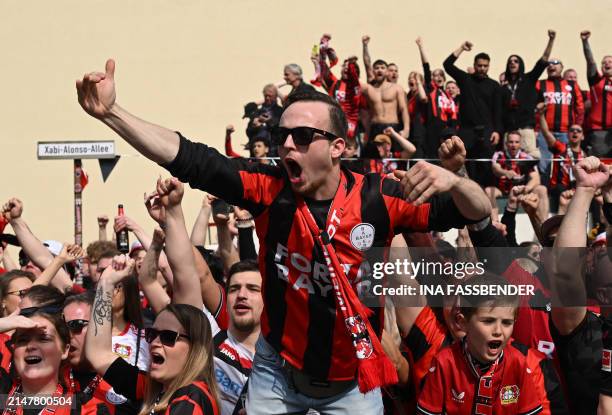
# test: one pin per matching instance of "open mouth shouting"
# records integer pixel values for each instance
(294, 170)
(156, 359)
(494, 347)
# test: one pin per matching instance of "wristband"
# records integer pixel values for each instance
(478, 226)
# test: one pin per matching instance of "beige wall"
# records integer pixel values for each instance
(191, 65)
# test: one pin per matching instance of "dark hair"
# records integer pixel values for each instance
(246, 265)
(8, 277)
(513, 132)
(42, 295)
(379, 62)
(509, 77)
(337, 118)
(214, 264)
(482, 55)
(260, 139)
(86, 297)
(470, 302)
(132, 313)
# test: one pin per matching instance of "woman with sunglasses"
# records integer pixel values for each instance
(40, 349)
(13, 287)
(181, 377)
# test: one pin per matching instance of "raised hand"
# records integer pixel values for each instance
(551, 34)
(591, 173)
(102, 221)
(452, 153)
(70, 253)
(122, 267)
(585, 34)
(155, 208)
(467, 46)
(530, 203)
(13, 209)
(230, 129)
(424, 180)
(96, 91)
(419, 41)
(365, 39)
(389, 131)
(170, 191)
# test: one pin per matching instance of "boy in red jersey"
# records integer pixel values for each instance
(480, 375)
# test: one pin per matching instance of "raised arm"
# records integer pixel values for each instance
(32, 246)
(588, 54)
(551, 40)
(449, 63)
(98, 340)
(408, 149)
(367, 61)
(424, 61)
(569, 261)
(185, 286)
(97, 96)
(200, 226)
(424, 180)
(69, 253)
(548, 136)
(147, 276)
(227, 251)
(102, 222)
(229, 151)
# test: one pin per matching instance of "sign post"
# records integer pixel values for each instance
(77, 150)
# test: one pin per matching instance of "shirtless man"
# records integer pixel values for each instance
(386, 101)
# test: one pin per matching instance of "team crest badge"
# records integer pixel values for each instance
(362, 236)
(122, 350)
(606, 360)
(509, 394)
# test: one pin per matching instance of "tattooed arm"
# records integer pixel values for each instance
(98, 340)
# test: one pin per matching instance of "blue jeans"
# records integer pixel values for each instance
(270, 392)
(546, 155)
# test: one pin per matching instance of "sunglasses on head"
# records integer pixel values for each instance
(166, 337)
(76, 326)
(555, 62)
(302, 136)
(20, 293)
(47, 309)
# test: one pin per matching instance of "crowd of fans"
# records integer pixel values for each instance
(269, 321)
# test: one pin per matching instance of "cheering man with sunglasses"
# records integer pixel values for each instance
(315, 221)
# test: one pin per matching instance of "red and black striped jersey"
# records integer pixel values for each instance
(454, 386)
(601, 102)
(564, 104)
(508, 162)
(300, 319)
(561, 168)
(193, 399)
(606, 359)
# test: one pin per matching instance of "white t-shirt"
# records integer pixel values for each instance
(124, 345)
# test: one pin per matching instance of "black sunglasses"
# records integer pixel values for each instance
(76, 326)
(166, 337)
(575, 130)
(302, 136)
(48, 309)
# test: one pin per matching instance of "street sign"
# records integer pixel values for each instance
(76, 149)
